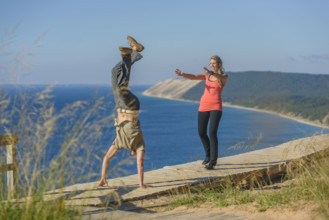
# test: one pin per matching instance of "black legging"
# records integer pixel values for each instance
(210, 144)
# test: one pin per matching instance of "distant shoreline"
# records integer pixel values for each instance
(226, 104)
(304, 121)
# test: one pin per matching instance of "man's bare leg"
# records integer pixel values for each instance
(106, 162)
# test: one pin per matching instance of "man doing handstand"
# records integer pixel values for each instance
(128, 129)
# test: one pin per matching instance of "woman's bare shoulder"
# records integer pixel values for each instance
(225, 75)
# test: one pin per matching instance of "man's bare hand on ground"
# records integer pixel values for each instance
(145, 187)
(103, 182)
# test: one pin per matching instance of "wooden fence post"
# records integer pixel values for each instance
(11, 166)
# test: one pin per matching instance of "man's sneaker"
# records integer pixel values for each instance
(125, 50)
(133, 42)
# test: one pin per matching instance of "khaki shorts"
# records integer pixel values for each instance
(129, 136)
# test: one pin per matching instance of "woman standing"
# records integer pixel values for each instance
(210, 108)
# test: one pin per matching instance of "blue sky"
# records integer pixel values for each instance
(80, 39)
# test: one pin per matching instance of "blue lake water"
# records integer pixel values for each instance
(170, 129)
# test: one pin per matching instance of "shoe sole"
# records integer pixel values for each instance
(125, 50)
(133, 42)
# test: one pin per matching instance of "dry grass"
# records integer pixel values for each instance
(308, 180)
(30, 113)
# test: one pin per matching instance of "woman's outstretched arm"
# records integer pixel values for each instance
(191, 76)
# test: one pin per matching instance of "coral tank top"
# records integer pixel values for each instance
(212, 96)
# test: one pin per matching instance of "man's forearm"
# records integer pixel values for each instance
(140, 169)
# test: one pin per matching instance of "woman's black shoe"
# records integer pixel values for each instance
(209, 166)
(205, 161)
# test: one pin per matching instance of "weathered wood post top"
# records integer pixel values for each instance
(11, 165)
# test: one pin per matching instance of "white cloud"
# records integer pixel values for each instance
(316, 58)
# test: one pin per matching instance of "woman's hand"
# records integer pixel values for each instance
(208, 71)
(179, 73)
(190, 76)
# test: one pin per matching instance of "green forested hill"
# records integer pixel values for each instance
(302, 95)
